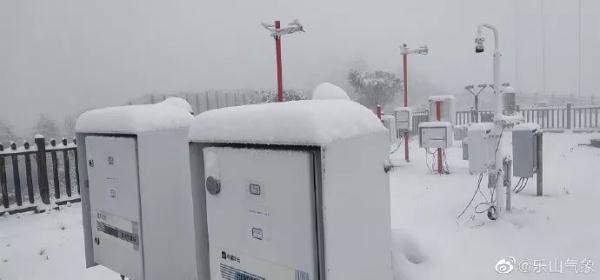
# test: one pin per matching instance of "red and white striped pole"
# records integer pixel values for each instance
(438, 116)
(279, 66)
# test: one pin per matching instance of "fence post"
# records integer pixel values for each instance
(16, 176)
(28, 177)
(42, 168)
(569, 108)
(55, 169)
(67, 168)
(3, 179)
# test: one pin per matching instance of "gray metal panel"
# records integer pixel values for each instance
(199, 184)
(524, 153)
(85, 202)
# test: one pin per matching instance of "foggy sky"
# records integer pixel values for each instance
(63, 56)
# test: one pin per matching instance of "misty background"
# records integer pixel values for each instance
(61, 57)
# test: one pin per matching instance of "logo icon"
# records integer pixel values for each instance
(505, 266)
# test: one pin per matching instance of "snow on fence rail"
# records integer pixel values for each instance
(46, 167)
(215, 99)
(560, 117)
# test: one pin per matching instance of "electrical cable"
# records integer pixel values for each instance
(523, 181)
(473, 197)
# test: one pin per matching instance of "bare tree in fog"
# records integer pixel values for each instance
(46, 127)
(374, 88)
(6, 133)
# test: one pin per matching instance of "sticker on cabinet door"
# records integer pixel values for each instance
(235, 266)
(118, 227)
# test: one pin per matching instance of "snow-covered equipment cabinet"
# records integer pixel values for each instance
(434, 135)
(445, 111)
(389, 122)
(482, 147)
(525, 149)
(137, 201)
(329, 91)
(294, 190)
(403, 117)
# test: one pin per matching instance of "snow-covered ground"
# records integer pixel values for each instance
(46, 246)
(541, 233)
(429, 242)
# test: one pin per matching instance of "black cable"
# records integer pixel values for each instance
(523, 185)
(518, 184)
(473, 197)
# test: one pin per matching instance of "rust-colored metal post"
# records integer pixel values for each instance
(438, 117)
(405, 66)
(278, 57)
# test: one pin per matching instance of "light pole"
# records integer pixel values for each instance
(471, 89)
(405, 51)
(276, 33)
(495, 171)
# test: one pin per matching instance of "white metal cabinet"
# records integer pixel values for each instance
(261, 214)
(113, 186)
(482, 147)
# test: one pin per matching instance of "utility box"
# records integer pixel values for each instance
(524, 140)
(294, 190)
(447, 109)
(460, 132)
(433, 135)
(403, 117)
(481, 147)
(137, 201)
(509, 100)
(389, 122)
(465, 149)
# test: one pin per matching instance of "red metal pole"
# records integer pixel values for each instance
(438, 116)
(278, 57)
(405, 64)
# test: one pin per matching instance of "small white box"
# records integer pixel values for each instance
(433, 135)
(403, 117)
(482, 147)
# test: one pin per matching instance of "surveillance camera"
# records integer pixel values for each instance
(479, 44)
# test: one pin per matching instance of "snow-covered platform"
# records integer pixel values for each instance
(429, 242)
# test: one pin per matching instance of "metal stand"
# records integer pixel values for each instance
(508, 182)
(540, 163)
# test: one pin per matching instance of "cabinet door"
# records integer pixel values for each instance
(115, 203)
(261, 214)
